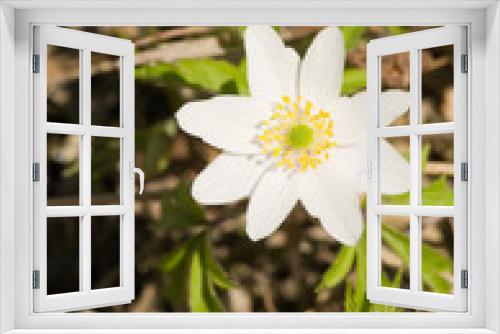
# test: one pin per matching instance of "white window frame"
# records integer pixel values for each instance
(86, 44)
(17, 20)
(413, 44)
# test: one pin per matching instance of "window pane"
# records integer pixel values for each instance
(63, 255)
(63, 169)
(105, 235)
(105, 171)
(63, 84)
(437, 254)
(437, 84)
(395, 75)
(105, 89)
(393, 179)
(395, 251)
(437, 174)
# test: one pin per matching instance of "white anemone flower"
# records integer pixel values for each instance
(293, 139)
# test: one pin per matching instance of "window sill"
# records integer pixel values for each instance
(256, 331)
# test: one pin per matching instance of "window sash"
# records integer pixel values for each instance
(413, 297)
(86, 43)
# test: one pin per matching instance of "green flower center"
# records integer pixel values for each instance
(300, 136)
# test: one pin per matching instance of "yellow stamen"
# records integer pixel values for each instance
(296, 136)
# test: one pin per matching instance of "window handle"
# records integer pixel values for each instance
(135, 170)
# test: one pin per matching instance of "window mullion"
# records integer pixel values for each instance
(415, 162)
(85, 161)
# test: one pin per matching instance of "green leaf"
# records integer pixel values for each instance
(354, 81)
(178, 256)
(352, 35)
(213, 301)
(202, 296)
(215, 272)
(207, 73)
(157, 71)
(349, 304)
(436, 281)
(218, 76)
(397, 279)
(197, 301)
(397, 241)
(434, 264)
(396, 30)
(241, 78)
(177, 265)
(175, 258)
(338, 269)
(438, 193)
(360, 289)
(180, 209)
(426, 150)
(396, 283)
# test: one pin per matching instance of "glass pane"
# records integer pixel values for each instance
(63, 84)
(63, 255)
(395, 251)
(437, 171)
(393, 178)
(105, 89)
(437, 84)
(394, 75)
(63, 169)
(105, 171)
(437, 254)
(105, 235)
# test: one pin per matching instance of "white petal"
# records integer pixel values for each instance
(394, 167)
(349, 160)
(395, 170)
(323, 66)
(272, 69)
(332, 197)
(227, 122)
(228, 178)
(350, 114)
(350, 119)
(271, 202)
(393, 104)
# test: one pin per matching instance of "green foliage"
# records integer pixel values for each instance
(194, 273)
(397, 30)
(180, 209)
(214, 270)
(217, 76)
(155, 142)
(177, 257)
(192, 270)
(437, 192)
(360, 301)
(339, 268)
(355, 296)
(434, 264)
(396, 283)
(354, 81)
(349, 305)
(202, 297)
(353, 36)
